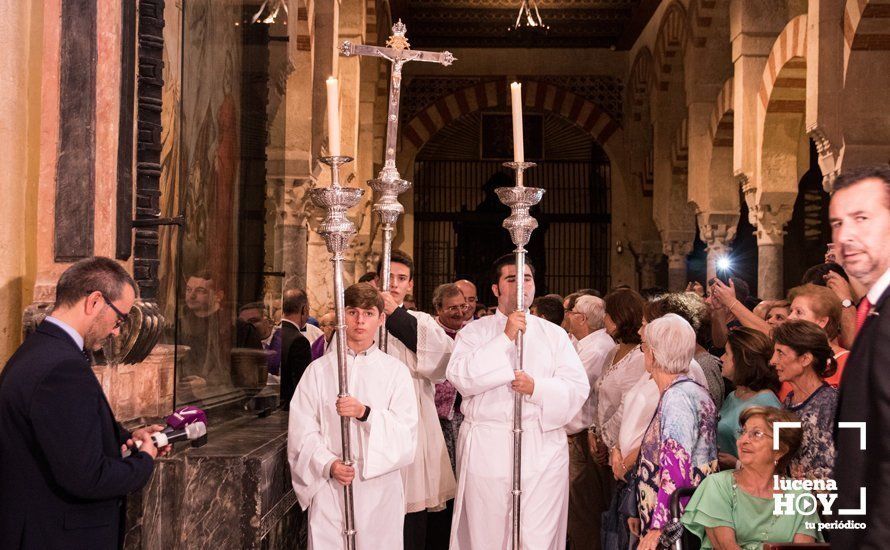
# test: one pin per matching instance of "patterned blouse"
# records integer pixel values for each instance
(815, 458)
(678, 450)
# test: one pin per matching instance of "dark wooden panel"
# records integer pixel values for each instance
(148, 144)
(124, 246)
(76, 166)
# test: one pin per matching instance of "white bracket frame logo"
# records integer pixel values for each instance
(853, 425)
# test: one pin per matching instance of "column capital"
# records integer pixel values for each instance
(717, 229)
(676, 252)
(771, 219)
(649, 254)
(295, 207)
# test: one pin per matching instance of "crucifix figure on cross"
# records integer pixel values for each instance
(389, 184)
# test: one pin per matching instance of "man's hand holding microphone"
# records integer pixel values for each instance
(146, 443)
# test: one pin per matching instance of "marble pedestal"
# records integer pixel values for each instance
(235, 492)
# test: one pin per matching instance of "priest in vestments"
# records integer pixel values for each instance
(383, 432)
(553, 385)
(417, 339)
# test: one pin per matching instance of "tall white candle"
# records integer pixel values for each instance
(516, 101)
(333, 117)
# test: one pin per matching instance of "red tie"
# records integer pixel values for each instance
(862, 313)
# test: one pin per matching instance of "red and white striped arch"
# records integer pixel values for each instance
(670, 44)
(722, 118)
(784, 86)
(866, 27)
(539, 96)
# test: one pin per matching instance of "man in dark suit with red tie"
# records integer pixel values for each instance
(62, 475)
(860, 221)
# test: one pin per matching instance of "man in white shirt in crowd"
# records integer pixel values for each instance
(590, 484)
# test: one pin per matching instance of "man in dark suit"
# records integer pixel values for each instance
(296, 350)
(860, 221)
(62, 477)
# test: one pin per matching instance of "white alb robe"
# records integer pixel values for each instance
(481, 369)
(429, 481)
(381, 446)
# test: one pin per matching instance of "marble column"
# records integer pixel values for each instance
(676, 251)
(770, 233)
(648, 259)
(295, 234)
(15, 30)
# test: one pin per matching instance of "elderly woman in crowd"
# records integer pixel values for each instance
(746, 363)
(734, 508)
(680, 447)
(640, 401)
(803, 358)
(820, 305)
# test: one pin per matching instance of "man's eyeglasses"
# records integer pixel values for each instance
(121, 317)
(457, 309)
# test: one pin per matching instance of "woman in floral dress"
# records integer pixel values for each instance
(680, 445)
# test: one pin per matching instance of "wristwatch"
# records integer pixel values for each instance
(847, 303)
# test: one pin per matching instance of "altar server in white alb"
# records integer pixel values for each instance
(416, 339)
(554, 386)
(383, 433)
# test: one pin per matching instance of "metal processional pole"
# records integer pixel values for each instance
(520, 225)
(389, 184)
(337, 230)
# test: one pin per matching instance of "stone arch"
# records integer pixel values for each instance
(680, 149)
(718, 220)
(543, 96)
(702, 15)
(866, 57)
(537, 95)
(672, 212)
(790, 45)
(670, 44)
(783, 152)
(720, 130)
(640, 82)
(782, 108)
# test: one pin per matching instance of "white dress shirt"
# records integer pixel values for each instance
(594, 351)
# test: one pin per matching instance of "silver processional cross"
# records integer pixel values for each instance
(389, 184)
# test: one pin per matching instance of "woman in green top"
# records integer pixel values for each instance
(734, 509)
(747, 363)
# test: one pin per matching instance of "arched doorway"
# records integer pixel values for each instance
(458, 231)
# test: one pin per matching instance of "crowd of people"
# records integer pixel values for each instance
(682, 390)
(646, 417)
(675, 407)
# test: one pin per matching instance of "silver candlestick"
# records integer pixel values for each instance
(337, 230)
(520, 225)
(388, 186)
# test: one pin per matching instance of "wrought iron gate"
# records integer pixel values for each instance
(458, 231)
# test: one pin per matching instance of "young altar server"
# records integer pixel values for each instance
(383, 432)
(416, 339)
(553, 386)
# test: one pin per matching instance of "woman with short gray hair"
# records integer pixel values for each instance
(680, 445)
